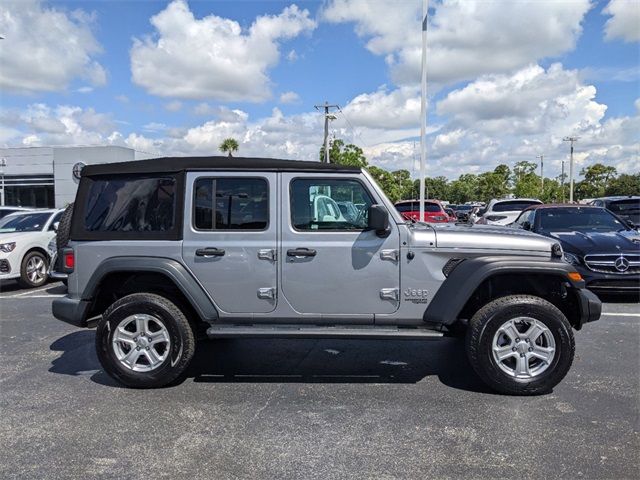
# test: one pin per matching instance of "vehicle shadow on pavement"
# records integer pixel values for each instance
(296, 361)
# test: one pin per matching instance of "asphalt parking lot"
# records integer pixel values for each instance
(310, 408)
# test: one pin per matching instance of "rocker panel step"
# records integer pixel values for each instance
(314, 331)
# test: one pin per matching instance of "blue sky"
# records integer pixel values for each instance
(507, 79)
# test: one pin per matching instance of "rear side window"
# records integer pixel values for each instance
(415, 206)
(231, 204)
(130, 204)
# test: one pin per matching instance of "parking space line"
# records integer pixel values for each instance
(28, 292)
(612, 314)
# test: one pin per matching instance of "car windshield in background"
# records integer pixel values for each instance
(415, 206)
(625, 207)
(515, 206)
(581, 219)
(28, 222)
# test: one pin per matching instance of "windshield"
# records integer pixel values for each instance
(415, 206)
(625, 207)
(581, 219)
(513, 206)
(27, 222)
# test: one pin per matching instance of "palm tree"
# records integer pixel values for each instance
(229, 145)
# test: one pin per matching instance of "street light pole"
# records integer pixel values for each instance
(562, 181)
(541, 157)
(327, 117)
(571, 140)
(3, 163)
(423, 107)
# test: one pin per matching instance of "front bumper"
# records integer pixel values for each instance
(71, 310)
(590, 307)
(610, 283)
(9, 266)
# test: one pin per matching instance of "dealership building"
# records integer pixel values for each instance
(47, 177)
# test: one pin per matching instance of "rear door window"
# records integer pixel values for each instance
(231, 204)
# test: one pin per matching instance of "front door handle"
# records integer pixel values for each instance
(301, 252)
(209, 252)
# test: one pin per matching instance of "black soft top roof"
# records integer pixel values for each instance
(179, 164)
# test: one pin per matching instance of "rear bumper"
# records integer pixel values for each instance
(71, 310)
(590, 307)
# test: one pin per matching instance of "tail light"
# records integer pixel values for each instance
(68, 260)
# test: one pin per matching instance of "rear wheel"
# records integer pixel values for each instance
(520, 345)
(143, 340)
(33, 270)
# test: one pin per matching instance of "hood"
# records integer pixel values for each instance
(481, 237)
(600, 242)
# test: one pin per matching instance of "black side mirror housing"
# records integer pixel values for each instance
(379, 220)
(526, 225)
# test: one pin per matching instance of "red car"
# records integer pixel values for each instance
(433, 210)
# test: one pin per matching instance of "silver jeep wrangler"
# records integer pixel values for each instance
(163, 251)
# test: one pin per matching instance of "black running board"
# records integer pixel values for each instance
(314, 331)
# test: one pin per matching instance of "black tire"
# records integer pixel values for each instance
(24, 281)
(64, 228)
(486, 322)
(182, 342)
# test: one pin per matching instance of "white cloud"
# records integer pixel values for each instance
(624, 22)
(45, 48)
(289, 97)
(399, 108)
(531, 101)
(292, 56)
(173, 106)
(212, 57)
(466, 38)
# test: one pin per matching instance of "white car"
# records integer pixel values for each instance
(504, 212)
(24, 241)
(7, 210)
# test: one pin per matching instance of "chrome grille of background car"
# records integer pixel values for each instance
(606, 263)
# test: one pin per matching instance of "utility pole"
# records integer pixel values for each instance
(562, 181)
(327, 117)
(3, 163)
(423, 107)
(571, 140)
(541, 157)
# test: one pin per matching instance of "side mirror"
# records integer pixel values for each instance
(379, 220)
(526, 225)
(55, 226)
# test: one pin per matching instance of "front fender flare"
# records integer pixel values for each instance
(468, 275)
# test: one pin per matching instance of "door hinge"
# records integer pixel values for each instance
(267, 254)
(268, 293)
(389, 294)
(389, 255)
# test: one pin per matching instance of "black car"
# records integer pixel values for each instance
(627, 208)
(603, 247)
(462, 211)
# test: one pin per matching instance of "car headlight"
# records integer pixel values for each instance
(7, 247)
(571, 258)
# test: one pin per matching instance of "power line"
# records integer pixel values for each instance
(355, 132)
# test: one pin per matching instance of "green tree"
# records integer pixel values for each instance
(350, 155)
(229, 145)
(596, 180)
(387, 182)
(625, 184)
(464, 189)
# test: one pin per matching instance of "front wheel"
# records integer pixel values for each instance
(143, 340)
(520, 345)
(33, 270)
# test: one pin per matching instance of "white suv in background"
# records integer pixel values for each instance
(24, 238)
(504, 212)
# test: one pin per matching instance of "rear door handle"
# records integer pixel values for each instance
(301, 252)
(209, 252)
